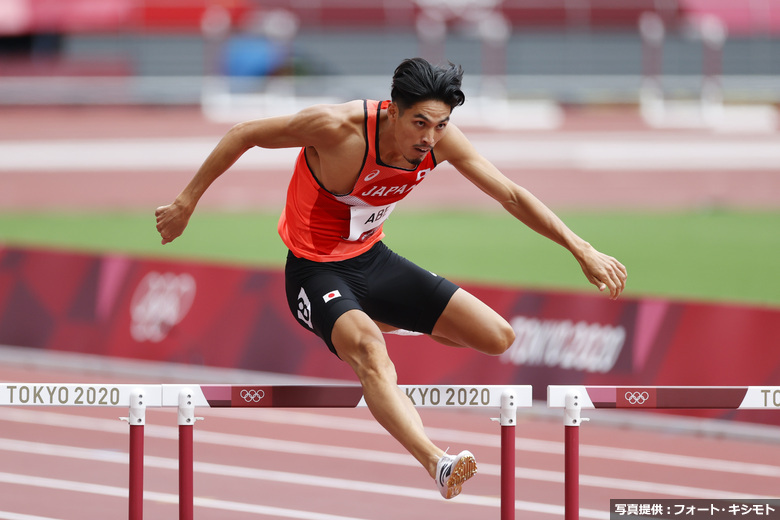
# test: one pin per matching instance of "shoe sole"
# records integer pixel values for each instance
(464, 469)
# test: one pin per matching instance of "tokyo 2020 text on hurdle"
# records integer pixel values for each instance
(186, 398)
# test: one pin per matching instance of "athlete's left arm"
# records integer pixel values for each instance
(603, 271)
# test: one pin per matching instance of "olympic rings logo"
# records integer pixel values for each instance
(252, 396)
(637, 397)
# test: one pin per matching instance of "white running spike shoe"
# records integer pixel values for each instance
(452, 471)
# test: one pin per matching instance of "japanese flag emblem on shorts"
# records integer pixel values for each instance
(331, 295)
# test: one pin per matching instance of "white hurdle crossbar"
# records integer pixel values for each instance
(573, 399)
(186, 398)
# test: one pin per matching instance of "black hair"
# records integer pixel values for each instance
(416, 80)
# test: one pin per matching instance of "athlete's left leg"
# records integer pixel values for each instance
(389, 329)
(468, 322)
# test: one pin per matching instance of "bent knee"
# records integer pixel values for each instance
(370, 361)
(493, 337)
(500, 340)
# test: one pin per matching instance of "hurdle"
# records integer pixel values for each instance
(573, 399)
(186, 398)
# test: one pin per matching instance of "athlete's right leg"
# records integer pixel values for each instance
(359, 342)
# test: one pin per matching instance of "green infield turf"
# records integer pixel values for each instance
(722, 256)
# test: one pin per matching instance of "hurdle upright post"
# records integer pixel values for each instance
(136, 419)
(508, 421)
(572, 420)
(186, 422)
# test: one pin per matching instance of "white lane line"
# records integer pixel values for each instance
(347, 453)
(361, 486)
(118, 155)
(297, 479)
(586, 152)
(167, 498)
(7, 515)
(312, 420)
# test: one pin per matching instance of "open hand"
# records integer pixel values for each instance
(604, 272)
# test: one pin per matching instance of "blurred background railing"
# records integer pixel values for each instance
(566, 51)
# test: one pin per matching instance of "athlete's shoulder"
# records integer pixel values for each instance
(335, 114)
(332, 121)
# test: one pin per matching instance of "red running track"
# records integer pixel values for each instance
(63, 463)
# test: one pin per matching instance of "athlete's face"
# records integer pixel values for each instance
(419, 128)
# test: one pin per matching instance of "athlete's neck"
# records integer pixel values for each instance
(388, 151)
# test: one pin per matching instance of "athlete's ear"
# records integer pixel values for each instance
(392, 111)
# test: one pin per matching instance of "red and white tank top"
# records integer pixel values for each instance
(321, 226)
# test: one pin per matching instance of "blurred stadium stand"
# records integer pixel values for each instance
(567, 51)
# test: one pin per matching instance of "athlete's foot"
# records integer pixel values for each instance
(452, 471)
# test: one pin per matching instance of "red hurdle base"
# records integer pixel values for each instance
(572, 472)
(136, 487)
(507, 472)
(186, 461)
(136, 418)
(186, 492)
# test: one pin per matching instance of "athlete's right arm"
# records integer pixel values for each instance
(309, 127)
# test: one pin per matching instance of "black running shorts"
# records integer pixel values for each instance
(386, 286)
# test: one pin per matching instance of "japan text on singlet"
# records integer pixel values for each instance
(321, 226)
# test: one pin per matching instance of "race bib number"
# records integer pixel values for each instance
(364, 220)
